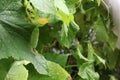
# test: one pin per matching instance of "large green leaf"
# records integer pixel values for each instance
(17, 71)
(87, 72)
(13, 44)
(13, 40)
(50, 6)
(12, 13)
(45, 6)
(56, 72)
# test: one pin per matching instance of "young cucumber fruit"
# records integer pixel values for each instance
(35, 37)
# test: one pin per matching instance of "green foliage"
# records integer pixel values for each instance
(67, 34)
(11, 40)
(17, 71)
(56, 72)
(61, 59)
(101, 33)
(86, 68)
(60, 39)
(5, 64)
(44, 6)
(86, 71)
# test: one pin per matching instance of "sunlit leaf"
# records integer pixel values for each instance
(99, 2)
(65, 18)
(18, 71)
(112, 77)
(56, 72)
(60, 4)
(45, 6)
(86, 71)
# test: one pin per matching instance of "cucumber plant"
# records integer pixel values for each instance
(57, 40)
